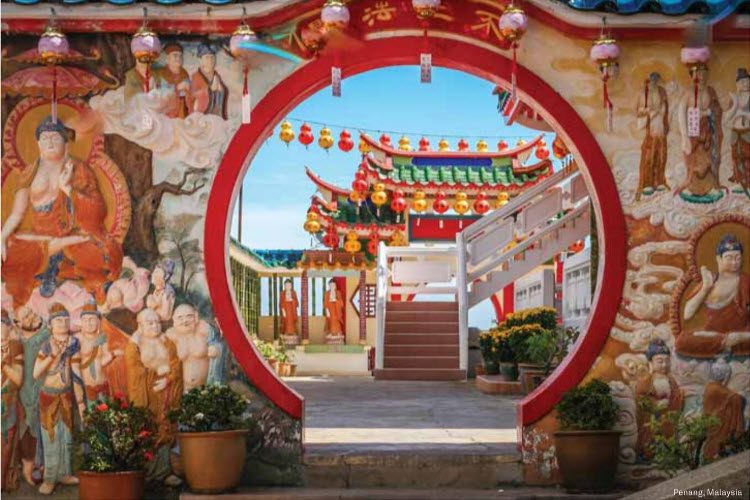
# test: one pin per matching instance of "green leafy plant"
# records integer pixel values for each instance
(116, 436)
(518, 340)
(540, 348)
(281, 356)
(210, 408)
(588, 407)
(494, 347)
(676, 440)
(546, 317)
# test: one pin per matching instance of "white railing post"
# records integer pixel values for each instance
(463, 303)
(382, 298)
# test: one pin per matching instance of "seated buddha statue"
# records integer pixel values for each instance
(723, 300)
(66, 238)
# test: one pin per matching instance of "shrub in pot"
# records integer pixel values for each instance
(487, 345)
(587, 448)
(116, 442)
(212, 433)
(546, 317)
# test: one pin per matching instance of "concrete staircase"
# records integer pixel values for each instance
(421, 342)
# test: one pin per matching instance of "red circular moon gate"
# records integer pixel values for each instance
(452, 53)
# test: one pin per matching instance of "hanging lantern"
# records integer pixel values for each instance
(440, 205)
(559, 149)
(360, 186)
(502, 145)
(424, 144)
(502, 199)
(444, 145)
(461, 206)
(325, 140)
(481, 206)
(335, 17)
(604, 52)
(398, 239)
(520, 142)
(513, 24)
(482, 146)
(372, 245)
(425, 9)
(345, 141)
(404, 144)
(695, 60)
(541, 152)
(363, 147)
(398, 204)
(331, 238)
(146, 47)
(241, 46)
(463, 145)
(53, 49)
(385, 140)
(355, 197)
(419, 203)
(305, 135)
(352, 244)
(312, 225)
(379, 197)
(286, 133)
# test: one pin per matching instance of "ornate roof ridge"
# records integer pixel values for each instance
(510, 152)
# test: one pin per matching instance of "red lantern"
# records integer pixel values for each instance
(359, 185)
(481, 206)
(542, 153)
(345, 141)
(398, 204)
(440, 205)
(424, 144)
(502, 145)
(385, 140)
(305, 135)
(331, 239)
(372, 245)
(463, 145)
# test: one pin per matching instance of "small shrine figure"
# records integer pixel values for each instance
(95, 354)
(12, 380)
(724, 302)
(725, 404)
(653, 117)
(702, 152)
(162, 298)
(333, 303)
(174, 82)
(288, 303)
(58, 366)
(208, 93)
(739, 116)
(660, 390)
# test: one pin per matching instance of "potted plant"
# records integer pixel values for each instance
(587, 448)
(487, 345)
(116, 442)
(212, 432)
(291, 364)
(518, 339)
(282, 367)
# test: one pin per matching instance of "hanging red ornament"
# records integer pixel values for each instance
(481, 206)
(440, 205)
(463, 145)
(360, 186)
(696, 61)
(331, 239)
(424, 144)
(346, 143)
(385, 140)
(559, 149)
(604, 52)
(372, 245)
(305, 135)
(241, 45)
(513, 25)
(502, 145)
(398, 204)
(542, 153)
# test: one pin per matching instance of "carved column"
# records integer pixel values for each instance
(362, 308)
(305, 309)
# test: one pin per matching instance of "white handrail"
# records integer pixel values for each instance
(381, 299)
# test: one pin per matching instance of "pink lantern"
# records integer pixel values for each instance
(335, 17)
(695, 59)
(53, 49)
(425, 9)
(605, 53)
(513, 25)
(146, 47)
(241, 46)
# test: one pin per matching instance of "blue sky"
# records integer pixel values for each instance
(277, 191)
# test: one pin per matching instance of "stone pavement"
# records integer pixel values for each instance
(345, 415)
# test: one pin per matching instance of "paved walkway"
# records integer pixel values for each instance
(362, 415)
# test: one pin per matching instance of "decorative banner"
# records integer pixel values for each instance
(694, 122)
(336, 81)
(425, 65)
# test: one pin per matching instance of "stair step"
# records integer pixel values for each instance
(431, 316)
(421, 338)
(421, 350)
(420, 327)
(421, 306)
(420, 374)
(421, 362)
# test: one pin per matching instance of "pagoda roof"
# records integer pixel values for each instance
(325, 185)
(517, 111)
(440, 157)
(331, 260)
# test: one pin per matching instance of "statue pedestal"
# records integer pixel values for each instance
(290, 341)
(335, 339)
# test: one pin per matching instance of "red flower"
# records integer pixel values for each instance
(124, 405)
(149, 456)
(119, 395)
(102, 407)
(144, 434)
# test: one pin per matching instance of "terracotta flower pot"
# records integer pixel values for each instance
(98, 485)
(587, 459)
(292, 369)
(213, 461)
(273, 363)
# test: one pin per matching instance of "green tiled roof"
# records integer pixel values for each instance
(496, 175)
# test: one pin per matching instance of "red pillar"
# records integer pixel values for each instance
(362, 312)
(509, 299)
(305, 309)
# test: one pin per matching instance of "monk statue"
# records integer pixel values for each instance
(739, 116)
(208, 93)
(333, 304)
(703, 152)
(67, 239)
(661, 392)
(288, 305)
(11, 369)
(95, 354)
(724, 301)
(199, 348)
(154, 376)
(653, 117)
(725, 404)
(58, 367)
